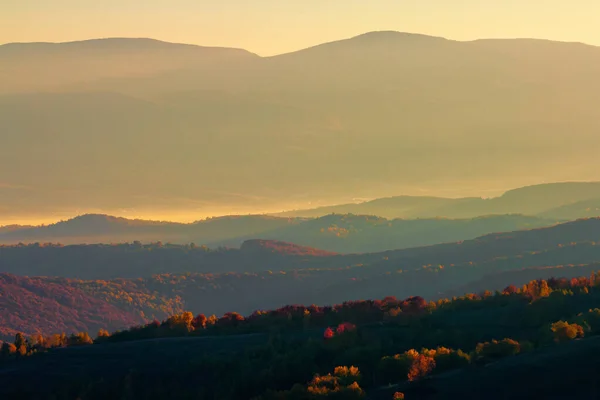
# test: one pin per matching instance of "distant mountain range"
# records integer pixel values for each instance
(566, 201)
(97, 228)
(199, 130)
(348, 228)
(346, 233)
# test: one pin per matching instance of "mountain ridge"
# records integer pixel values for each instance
(441, 116)
(377, 34)
(122, 42)
(528, 200)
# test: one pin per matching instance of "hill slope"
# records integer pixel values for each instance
(65, 64)
(367, 234)
(57, 307)
(337, 233)
(97, 228)
(393, 112)
(554, 200)
(494, 345)
(172, 278)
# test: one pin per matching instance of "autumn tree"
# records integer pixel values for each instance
(200, 321)
(181, 322)
(347, 375)
(496, 349)
(7, 350)
(343, 384)
(449, 359)
(19, 340)
(563, 331)
(394, 369)
(231, 319)
(345, 327)
(421, 366)
(103, 333)
(80, 339)
(328, 334)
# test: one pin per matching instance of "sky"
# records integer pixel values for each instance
(269, 27)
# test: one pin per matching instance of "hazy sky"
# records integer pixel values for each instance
(276, 26)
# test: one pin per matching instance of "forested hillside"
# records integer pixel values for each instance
(375, 349)
(162, 279)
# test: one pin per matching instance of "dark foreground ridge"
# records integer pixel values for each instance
(509, 340)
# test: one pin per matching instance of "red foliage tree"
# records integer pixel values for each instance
(345, 327)
(329, 333)
(199, 322)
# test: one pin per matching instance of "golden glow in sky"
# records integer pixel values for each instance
(270, 27)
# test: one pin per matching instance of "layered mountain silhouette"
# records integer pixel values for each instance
(98, 228)
(194, 128)
(348, 233)
(567, 201)
(116, 285)
(347, 228)
(345, 233)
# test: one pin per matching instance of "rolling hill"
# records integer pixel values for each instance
(336, 233)
(494, 345)
(565, 200)
(98, 228)
(262, 275)
(580, 209)
(198, 130)
(367, 234)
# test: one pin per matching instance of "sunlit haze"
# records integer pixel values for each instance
(299, 199)
(153, 130)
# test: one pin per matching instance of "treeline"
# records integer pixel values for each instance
(135, 260)
(27, 346)
(327, 352)
(262, 277)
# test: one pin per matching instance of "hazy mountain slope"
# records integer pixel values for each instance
(337, 233)
(12, 228)
(111, 261)
(372, 116)
(271, 274)
(580, 209)
(507, 250)
(96, 228)
(35, 66)
(391, 207)
(57, 306)
(531, 200)
(362, 234)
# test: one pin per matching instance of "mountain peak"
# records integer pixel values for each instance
(394, 35)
